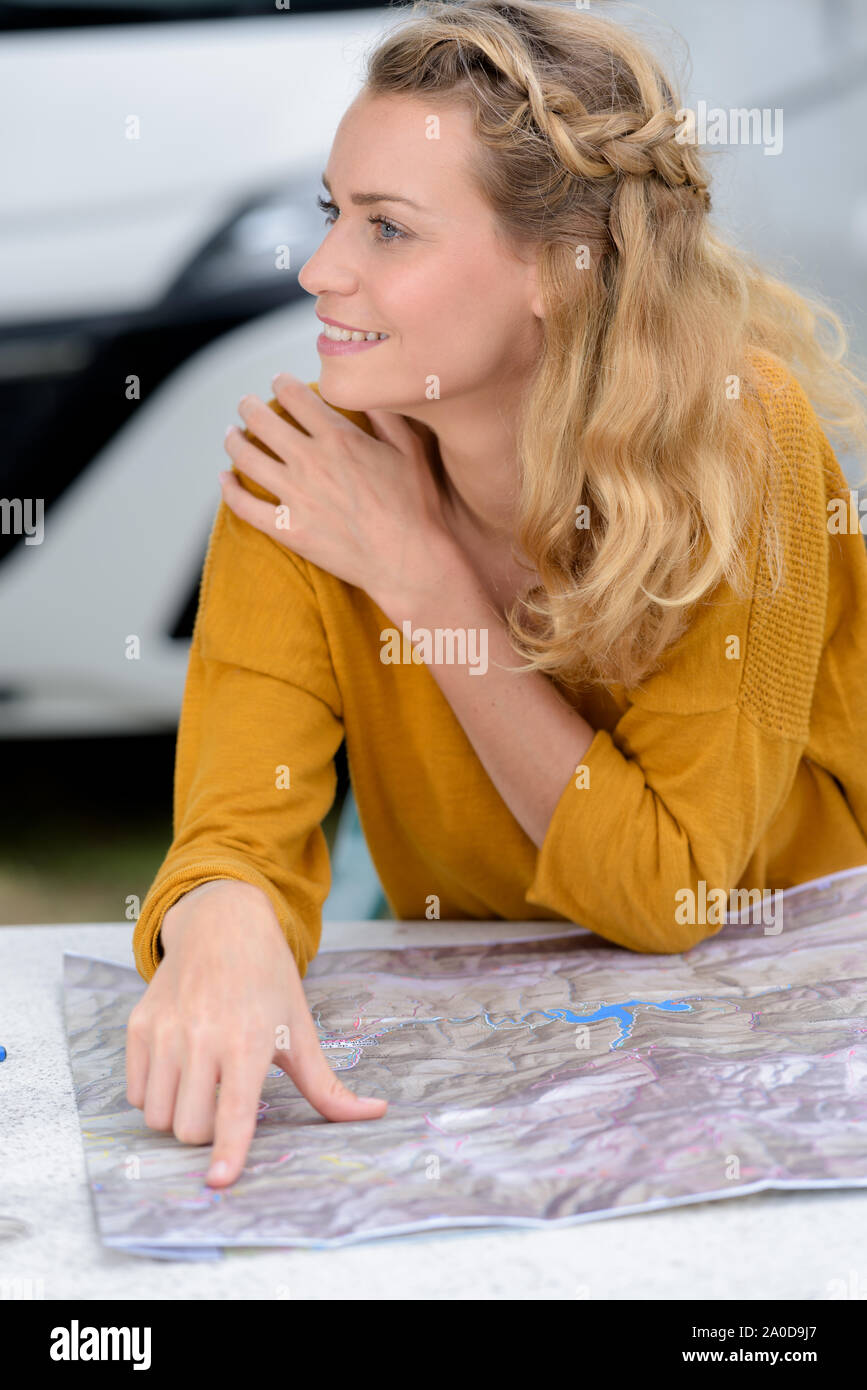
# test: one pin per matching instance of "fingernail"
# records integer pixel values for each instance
(277, 377)
(229, 429)
(217, 1170)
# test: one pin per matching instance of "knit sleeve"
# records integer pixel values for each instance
(688, 781)
(665, 805)
(261, 721)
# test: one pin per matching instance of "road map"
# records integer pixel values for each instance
(529, 1083)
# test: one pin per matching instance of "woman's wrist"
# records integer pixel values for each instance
(445, 573)
(175, 918)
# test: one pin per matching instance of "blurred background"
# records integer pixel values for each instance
(155, 157)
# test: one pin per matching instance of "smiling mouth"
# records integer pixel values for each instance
(350, 335)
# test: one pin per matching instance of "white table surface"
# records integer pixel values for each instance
(769, 1245)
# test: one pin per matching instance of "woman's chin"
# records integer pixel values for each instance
(336, 391)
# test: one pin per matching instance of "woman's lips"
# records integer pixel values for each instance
(332, 347)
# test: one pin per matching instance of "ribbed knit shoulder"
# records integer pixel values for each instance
(786, 627)
(759, 650)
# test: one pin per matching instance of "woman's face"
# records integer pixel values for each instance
(461, 312)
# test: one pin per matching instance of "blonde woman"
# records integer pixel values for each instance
(551, 543)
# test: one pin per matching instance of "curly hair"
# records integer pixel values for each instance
(643, 443)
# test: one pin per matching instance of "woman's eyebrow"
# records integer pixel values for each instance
(363, 199)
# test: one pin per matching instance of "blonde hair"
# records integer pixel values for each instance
(628, 414)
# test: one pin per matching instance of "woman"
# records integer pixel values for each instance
(568, 429)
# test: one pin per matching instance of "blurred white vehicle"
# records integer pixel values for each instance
(157, 169)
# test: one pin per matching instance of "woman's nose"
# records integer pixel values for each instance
(322, 275)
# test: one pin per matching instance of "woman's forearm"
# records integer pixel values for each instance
(526, 736)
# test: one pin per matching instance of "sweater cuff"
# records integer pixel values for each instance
(584, 817)
(147, 950)
(604, 864)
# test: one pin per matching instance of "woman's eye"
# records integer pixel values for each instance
(331, 210)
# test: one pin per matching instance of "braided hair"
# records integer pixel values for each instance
(649, 317)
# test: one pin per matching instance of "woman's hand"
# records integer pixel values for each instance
(225, 1003)
(367, 510)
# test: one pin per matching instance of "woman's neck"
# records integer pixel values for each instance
(477, 474)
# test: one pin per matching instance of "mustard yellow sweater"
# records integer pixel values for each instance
(741, 773)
